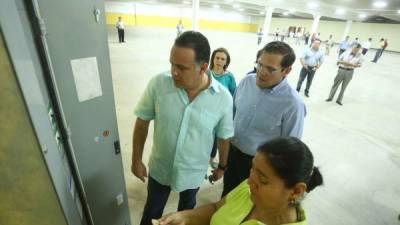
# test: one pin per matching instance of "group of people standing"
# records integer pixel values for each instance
(312, 59)
(256, 126)
(350, 57)
(292, 35)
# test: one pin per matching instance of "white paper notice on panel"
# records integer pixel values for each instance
(87, 79)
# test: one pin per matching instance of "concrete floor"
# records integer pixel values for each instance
(357, 145)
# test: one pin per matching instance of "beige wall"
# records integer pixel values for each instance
(377, 31)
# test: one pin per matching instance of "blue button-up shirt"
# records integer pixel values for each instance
(184, 131)
(263, 114)
(344, 45)
(312, 57)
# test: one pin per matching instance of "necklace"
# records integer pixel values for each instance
(217, 74)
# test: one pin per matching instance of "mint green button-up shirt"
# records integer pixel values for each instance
(184, 131)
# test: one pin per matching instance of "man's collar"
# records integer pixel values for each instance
(213, 83)
(282, 84)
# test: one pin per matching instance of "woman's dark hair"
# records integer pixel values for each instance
(279, 47)
(292, 161)
(223, 50)
(196, 41)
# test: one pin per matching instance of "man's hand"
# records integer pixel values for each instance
(305, 66)
(139, 138)
(216, 174)
(139, 170)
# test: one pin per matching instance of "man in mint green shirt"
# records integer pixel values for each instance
(189, 109)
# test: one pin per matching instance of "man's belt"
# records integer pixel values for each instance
(311, 67)
(343, 68)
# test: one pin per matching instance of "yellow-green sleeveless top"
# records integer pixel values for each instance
(237, 206)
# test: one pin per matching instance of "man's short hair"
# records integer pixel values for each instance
(281, 48)
(196, 41)
(259, 52)
(357, 45)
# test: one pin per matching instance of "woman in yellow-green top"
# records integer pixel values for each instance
(283, 170)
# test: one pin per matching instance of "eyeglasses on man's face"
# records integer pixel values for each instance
(266, 69)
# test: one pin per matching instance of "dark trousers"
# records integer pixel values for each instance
(364, 51)
(259, 40)
(378, 54)
(309, 73)
(157, 196)
(239, 165)
(121, 35)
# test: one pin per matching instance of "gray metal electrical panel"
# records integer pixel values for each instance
(68, 89)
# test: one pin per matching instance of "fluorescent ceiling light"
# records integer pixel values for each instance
(362, 16)
(241, 9)
(186, 2)
(340, 11)
(398, 11)
(312, 5)
(216, 6)
(285, 13)
(379, 4)
(292, 10)
(262, 12)
(236, 6)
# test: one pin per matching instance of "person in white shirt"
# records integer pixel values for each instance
(179, 28)
(298, 36)
(121, 30)
(283, 34)
(349, 60)
(366, 45)
(260, 35)
(276, 37)
(354, 43)
(329, 44)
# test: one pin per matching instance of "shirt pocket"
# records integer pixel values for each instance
(265, 122)
(168, 110)
(208, 121)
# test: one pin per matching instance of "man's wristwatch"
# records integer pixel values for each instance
(221, 167)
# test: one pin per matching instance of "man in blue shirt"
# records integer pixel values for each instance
(265, 107)
(311, 60)
(344, 45)
(255, 69)
(189, 109)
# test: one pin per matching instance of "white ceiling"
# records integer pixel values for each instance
(326, 8)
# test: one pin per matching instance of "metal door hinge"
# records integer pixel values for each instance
(42, 26)
(117, 147)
